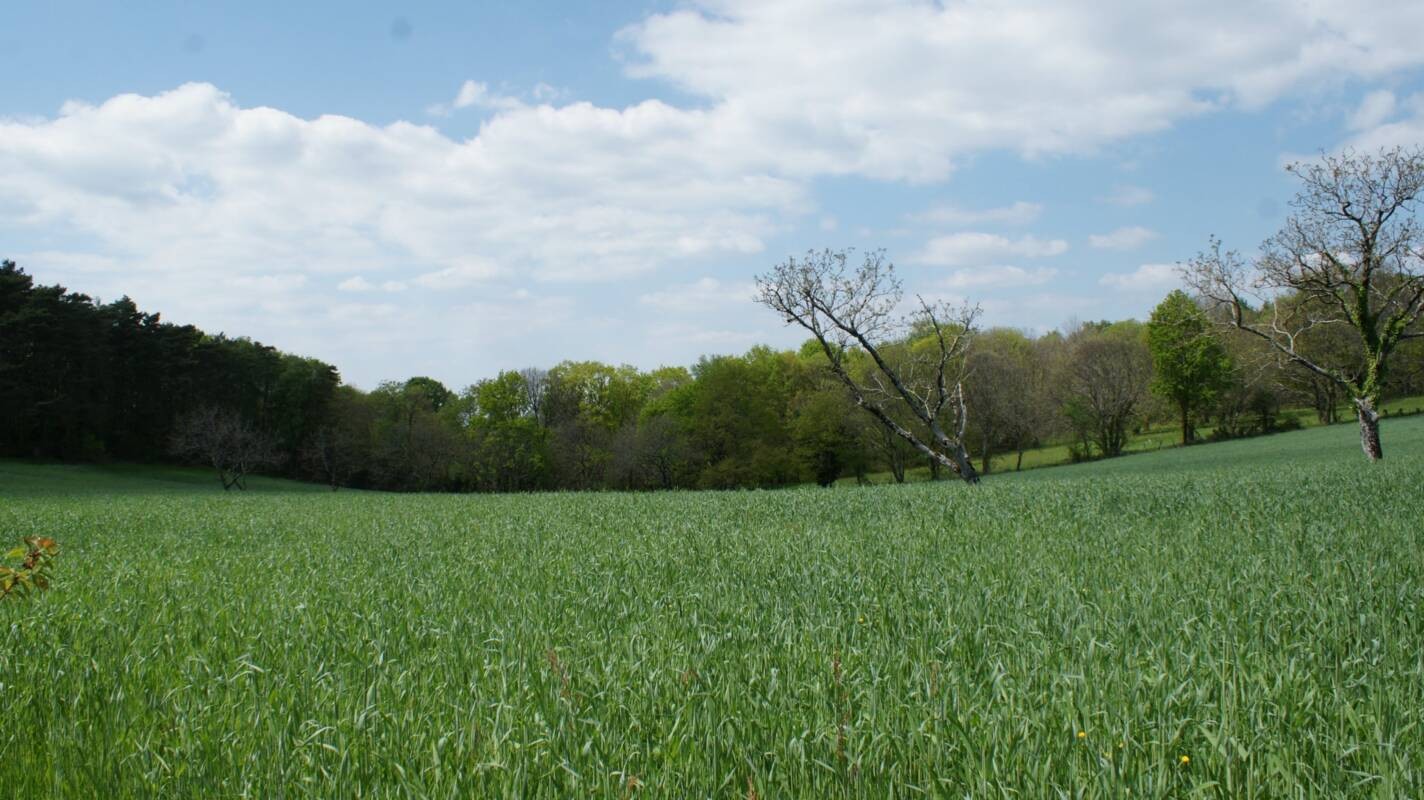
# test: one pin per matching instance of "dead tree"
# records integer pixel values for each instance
(1351, 255)
(852, 312)
(225, 441)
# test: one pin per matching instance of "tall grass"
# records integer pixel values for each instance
(1231, 628)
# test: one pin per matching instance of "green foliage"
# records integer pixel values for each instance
(36, 556)
(1191, 364)
(1252, 606)
(81, 379)
(824, 434)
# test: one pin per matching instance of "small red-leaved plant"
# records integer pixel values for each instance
(32, 574)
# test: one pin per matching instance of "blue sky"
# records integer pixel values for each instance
(457, 188)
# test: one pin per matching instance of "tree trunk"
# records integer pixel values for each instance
(1188, 435)
(957, 459)
(1369, 428)
(1018, 465)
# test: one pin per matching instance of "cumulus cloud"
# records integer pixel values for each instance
(970, 248)
(1374, 109)
(459, 276)
(478, 94)
(998, 277)
(356, 284)
(706, 294)
(1407, 130)
(268, 284)
(1044, 76)
(1019, 213)
(1129, 238)
(178, 192)
(190, 180)
(1146, 278)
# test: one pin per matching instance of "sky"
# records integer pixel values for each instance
(453, 189)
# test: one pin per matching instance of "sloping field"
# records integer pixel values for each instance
(26, 479)
(1235, 620)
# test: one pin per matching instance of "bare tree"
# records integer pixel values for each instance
(852, 312)
(536, 389)
(1352, 254)
(228, 443)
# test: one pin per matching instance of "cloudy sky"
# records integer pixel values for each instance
(456, 188)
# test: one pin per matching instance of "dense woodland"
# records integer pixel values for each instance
(85, 380)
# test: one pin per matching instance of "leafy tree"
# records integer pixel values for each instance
(1004, 394)
(1104, 381)
(1191, 366)
(737, 412)
(824, 436)
(339, 448)
(1353, 252)
(511, 447)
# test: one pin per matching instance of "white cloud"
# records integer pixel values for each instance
(1129, 196)
(478, 94)
(544, 93)
(1407, 131)
(1129, 238)
(1019, 213)
(998, 277)
(1146, 278)
(1374, 109)
(706, 294)
(66, 262)
(703, 338)
(167, 196)
(459, 276)
(1040, 76)
(189, 180)
(972, 248)
(355, 284)
(268, 284)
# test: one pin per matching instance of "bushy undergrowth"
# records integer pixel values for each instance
(1236, 620)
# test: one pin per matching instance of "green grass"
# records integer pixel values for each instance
(1255, 606)
(28, 479)
(1159, 436)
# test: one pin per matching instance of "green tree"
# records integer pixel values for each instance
(1353, 250)
(1191, 365)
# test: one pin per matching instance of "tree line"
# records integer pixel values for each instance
(1329, 314)
(85, 380)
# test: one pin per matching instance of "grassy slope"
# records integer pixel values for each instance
(25, 478)
(1255, 606)
(1313, 446)
(1159, 437)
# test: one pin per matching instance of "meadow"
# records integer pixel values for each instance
(1234, 620)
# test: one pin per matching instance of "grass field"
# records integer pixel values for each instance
(1234, 620)
(1159, 436)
